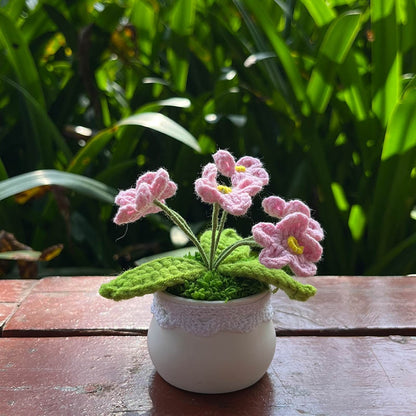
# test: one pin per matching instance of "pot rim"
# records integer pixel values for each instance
(169, 297)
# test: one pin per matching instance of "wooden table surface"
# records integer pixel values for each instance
(349, 351)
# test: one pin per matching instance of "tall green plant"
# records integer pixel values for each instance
(62, 87)
(322, 91)
(357, 137)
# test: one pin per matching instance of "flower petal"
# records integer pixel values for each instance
(312, 250)
(274, 206)
(249, 162)
(264, 233)
(274, 258)
(246, 183)
(301, 267)
(126, 197)
(279, 208)
(315, 230)
(225, 162)
(236, 203)
(126, 214)
(293, 224)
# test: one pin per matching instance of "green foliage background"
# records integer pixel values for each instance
(322, 91)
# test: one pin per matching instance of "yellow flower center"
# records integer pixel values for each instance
(240, 168)
(294, 246)
(224, 189)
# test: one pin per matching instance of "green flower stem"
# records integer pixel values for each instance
(182, 224)
(220, 229)
(214, 225)
(249, 241)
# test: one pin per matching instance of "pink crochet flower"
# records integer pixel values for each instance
(288, 243)
(236, 200)
(137, 202)
(279, 208)
(245, 167)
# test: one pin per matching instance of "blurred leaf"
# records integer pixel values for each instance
(183, 17)
(32, 255)
(354, 92)
(386, 58)
(110, 17)
(258, 57)
(340, 197)
(178, 102)
(162, 124)
(82, 184)
(282, 51)
(320, 11)
(395, 258)
(65, 26)
(88, 153)
(27, 255)
(48, 130)
(408, 19)
(51, 252)
(207, 144)
(20, 57)
(182, 24)
(395, 190)
(356, 222)
(155, 121)
(328, 209)
(3, 172)
(39, 191)
(400, 137)
(143, 17)
(14, 8)
(333, 51)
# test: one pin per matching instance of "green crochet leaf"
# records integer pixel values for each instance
(228, 237)
(253, 269)
(152, 276)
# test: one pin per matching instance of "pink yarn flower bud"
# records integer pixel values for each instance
(135, 203)
(235, 200)
(288, 243)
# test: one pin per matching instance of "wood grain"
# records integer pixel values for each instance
(346, 376)
(71, 306)
(12, 292)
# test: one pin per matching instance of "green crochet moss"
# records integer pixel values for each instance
(215, 286)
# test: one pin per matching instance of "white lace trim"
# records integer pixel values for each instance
(206, 318)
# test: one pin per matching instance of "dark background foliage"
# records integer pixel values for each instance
(92, 93)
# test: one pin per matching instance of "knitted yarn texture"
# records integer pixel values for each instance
(225, 264)
(205, 318)
(159, 274)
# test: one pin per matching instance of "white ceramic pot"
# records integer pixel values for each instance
(211, 347)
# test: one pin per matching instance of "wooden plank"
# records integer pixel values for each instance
(64, 306)
(68, 306)
(6, 311)
(11, 294)
(351, 305)
(346, 376)
(13, 291)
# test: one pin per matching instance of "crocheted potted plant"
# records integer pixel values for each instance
(212, 329)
